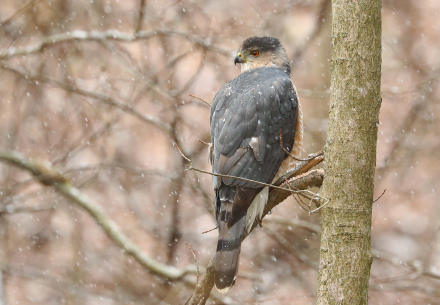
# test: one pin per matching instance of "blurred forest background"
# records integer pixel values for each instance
(100, 89)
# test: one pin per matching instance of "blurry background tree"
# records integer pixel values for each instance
(100, 89)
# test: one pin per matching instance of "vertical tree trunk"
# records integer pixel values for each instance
(350, 153)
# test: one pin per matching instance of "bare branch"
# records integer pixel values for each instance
(50, 177)
(319, 25)
(116, 35)
(106, 99)
(204, 287)
(25, 208)
(142, 9)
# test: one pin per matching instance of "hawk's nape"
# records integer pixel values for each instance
(247, 116)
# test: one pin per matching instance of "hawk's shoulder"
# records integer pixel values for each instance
(252, 80)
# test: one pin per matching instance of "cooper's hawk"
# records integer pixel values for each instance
(247, 116)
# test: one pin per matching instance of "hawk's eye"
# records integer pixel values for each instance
(255, 53)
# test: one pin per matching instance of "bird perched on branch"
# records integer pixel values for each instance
(248, 115)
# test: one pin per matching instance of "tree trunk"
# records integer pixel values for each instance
(350, 153)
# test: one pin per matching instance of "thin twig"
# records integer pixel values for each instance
(200, 99)
(302, 203)
(297, 197)
(380, 196)
(181, 153)
(210, 230)
(195, 259)
(191, 167)
(292, 156)
(244, 179)
(321, 205)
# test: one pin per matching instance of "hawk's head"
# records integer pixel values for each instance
(262, 51)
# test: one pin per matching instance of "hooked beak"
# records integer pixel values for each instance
(238, 59)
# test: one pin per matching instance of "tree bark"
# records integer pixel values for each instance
(350, 153)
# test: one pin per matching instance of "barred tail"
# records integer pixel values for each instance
(228, 249)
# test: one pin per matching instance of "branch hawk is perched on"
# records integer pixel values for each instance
(247, 116)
